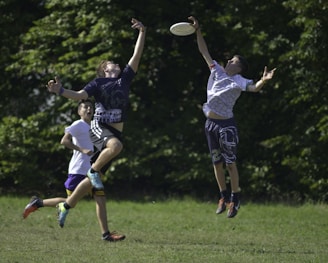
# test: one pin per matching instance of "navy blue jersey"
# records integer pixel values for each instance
(111, 96)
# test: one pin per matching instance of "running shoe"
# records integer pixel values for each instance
(95, 180)
(113, 237)
(62, 213)
(233, 209)
(32, 206)
(222, 205)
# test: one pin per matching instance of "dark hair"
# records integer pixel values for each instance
(84, 101)
(243, 63)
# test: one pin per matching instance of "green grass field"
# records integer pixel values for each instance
(165, 231)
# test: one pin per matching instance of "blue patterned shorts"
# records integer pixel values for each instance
(222, 139)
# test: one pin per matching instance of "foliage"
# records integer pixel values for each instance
(303, 132)
(26, 161)
(283, 130)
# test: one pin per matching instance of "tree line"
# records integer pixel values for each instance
(283, 130)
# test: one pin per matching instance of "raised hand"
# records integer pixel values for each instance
(194, 23)
(137, 25)
(54, 85)
(267, 75)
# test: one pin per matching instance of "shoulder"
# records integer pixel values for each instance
(73, 125)
(127, 74)
(215, 67)
(91, 84)
(243, 82)
(128, 70)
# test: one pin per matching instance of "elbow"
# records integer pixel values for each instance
(63, 141)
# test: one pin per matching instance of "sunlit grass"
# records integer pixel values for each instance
(170, 231)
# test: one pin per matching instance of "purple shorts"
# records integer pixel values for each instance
(73, 180)
(222, 139)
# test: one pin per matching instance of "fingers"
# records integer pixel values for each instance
(57, 79)
(137, 24)
(268, 74)
(50, 84)
(54, 85)
(265, 70)
(194, 22)
(192, 18)
(271, 71)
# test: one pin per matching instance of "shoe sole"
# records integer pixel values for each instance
(31, 207)
(115, 240)
(29, 210)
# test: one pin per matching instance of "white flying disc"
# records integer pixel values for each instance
(182, 29)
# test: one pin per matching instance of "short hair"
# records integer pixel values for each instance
(84, 101)
(243, 64)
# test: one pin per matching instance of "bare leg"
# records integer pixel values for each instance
(101, 212)
(52, 202)
(220, 176)
(234, 177)
(80, 191)
(113, 148)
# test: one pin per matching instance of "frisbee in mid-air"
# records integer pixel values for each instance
(182, 29)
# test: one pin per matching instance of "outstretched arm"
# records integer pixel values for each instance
(201, 42)
(138, 49)
(55, 86)
(267, 75)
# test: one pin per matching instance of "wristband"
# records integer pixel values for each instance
(61, 90)
(263, 81)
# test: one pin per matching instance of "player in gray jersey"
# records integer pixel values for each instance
(223, 89)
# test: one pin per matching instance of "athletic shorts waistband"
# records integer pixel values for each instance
(219, 121)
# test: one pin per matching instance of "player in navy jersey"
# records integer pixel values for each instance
(111, 93)
(223, 89)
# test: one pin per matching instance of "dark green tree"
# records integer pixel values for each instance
(283, 130)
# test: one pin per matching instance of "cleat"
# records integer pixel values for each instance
(62, 213)
(113, 237)
(95, 180)
(233, 209)
(222, 205)
(32, 206)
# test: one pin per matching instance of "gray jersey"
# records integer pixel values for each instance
(223, 91)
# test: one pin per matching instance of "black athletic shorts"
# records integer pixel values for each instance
(100, 133)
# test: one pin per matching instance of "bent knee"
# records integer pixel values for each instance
(115, 144)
